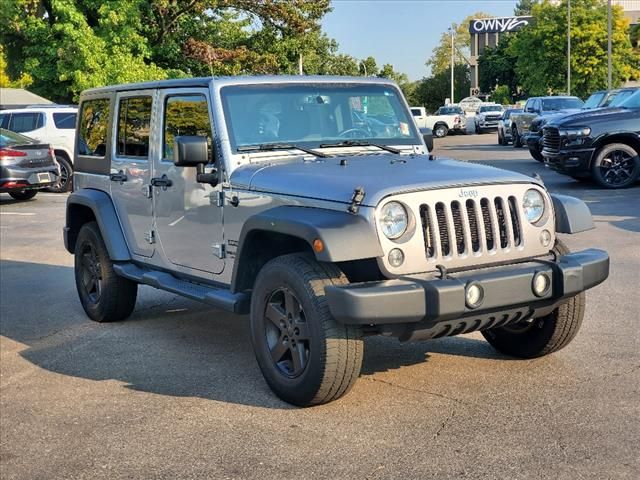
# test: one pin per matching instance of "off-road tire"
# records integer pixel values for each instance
(633, 162)
(23, 194)
(544, 335)
(537, 155)
(440, 130)
(334, 356)
(65, 165)
(117, 295)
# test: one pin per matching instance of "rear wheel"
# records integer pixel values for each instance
(105, 296)
(440, 130)
(306, 357)
(23, 194)
(616, 166)
(65, 181)
(544, 335)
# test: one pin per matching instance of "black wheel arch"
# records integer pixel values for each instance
(626, 138)
(287, 229)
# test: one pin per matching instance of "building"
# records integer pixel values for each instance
(20, 98)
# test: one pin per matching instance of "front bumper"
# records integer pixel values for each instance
(533, 140)
(17, 178)
(570, 161)
(488, 124)
(428, 301)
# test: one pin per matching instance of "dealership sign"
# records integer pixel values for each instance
(498, 25)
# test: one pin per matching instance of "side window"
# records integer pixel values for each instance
(134, 119)
(26, 122)
(65, 121)
(415, 112)
(4, 121)
(92, 128)
(185, 115)
(537, 106)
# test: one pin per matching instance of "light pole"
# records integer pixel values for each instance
(609, 45)
(364, 66)
(451, 31)
(568, 47)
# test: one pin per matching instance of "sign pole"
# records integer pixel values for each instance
(452, 60)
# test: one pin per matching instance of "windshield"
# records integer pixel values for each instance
(594, 100)
(621, 97)
(449, 111)
(8, 138)
(561, 104)
(315, 114)
(633, 101)
(491, 108)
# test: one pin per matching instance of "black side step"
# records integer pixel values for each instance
(217, 297)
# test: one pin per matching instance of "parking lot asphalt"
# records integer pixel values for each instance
(175, 391)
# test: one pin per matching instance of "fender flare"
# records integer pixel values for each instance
(572, 214)
(344, 236)
(104, 212)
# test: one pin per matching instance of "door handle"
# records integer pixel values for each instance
(118, 177)
(162, 181)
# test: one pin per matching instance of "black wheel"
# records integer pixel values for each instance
(65, 181)
(440, 130)
(105, 296)
(616, 166)
(517, 141)
(500, 138)
(544, 335)
(306, 357)
(23, 194)
(536, 154)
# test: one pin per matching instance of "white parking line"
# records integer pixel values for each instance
(20, 214)
(176, 221)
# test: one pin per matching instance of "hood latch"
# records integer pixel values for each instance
(356, 200)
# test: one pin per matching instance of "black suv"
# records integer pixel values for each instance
(602, 144)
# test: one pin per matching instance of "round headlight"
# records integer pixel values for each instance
(533, 205)
(393, 220)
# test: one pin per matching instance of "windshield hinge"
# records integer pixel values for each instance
(356, 200)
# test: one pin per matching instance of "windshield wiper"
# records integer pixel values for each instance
(267, 147)
(360, 143)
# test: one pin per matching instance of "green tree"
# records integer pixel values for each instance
(440, 59)
(497, 67)
(23, 81)
(523, 7)
(541, 47)
(502, 95)
(432, 92)
(369, 67)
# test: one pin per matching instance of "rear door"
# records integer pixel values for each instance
(64, 130)
(130, 172)
(187, 214)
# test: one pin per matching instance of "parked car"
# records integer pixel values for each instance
(328, 235)
(26, 166)
(449, 118)
(504, 126)
(487, 117)
(603, 145)
(52, 124)
(601, 99)
(536, 106)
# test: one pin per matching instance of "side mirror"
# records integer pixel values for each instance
(427, 136)
(190, 151)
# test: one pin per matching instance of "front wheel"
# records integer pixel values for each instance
(105, 296)
(440, 131)
(536, 154)
(23, 194)
(306, 357)
(544, 335)
(616, 166)
(517, 141)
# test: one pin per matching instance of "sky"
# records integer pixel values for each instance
(401, 32)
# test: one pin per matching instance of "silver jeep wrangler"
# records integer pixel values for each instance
(313, 205)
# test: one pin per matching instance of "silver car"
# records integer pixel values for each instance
(269, 196)
(504, 126)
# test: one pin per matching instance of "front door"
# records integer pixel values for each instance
(188, 218)
(130, 169)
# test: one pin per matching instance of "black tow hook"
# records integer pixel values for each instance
(356, 200)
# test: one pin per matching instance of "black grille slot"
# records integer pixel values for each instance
(515, 221)
(502, 223)
(486, 220)
(551, 140)
(473, 225)
(457, 226)
(427, 228)
(441, 217)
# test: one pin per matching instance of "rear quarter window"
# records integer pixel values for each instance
(93, 126)
(65, 121)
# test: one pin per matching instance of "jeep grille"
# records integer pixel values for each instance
(462, 227)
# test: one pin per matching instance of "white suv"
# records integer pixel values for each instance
(54, 125)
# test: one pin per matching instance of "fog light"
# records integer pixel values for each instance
(396, 257)
(541, 284)
(474, 295)
(545, 238)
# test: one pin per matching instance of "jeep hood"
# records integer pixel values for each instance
(380, 175)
